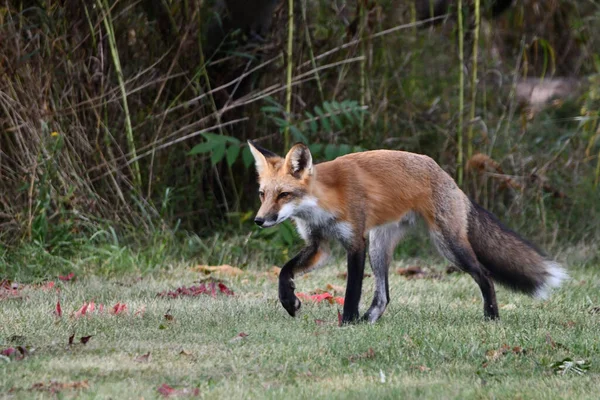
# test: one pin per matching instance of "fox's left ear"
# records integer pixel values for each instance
(298, 161)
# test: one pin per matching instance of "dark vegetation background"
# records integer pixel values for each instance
(123, 123)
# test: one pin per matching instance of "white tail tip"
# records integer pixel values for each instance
(555, 275)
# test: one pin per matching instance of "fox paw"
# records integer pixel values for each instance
(291, 304)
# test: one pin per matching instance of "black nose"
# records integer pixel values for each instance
(259, 221)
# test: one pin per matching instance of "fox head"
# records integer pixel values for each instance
(284, 182)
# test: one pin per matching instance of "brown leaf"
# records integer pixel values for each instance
(144, 358)
(221, 269)
(344, 275)
(369, 354)
(423, 368)
(410, 271)
(71, 338)
(340, 318)
(569, 324)
(168, 316)
(185, 353)
(55, 387)
(335, 288)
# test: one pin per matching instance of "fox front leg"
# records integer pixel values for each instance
(308, 258)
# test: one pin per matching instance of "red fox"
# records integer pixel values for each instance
(377, 195)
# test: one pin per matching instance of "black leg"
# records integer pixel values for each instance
(306, 258)
(356, 271)
(469, 263)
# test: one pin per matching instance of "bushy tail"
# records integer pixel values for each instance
(511, 260)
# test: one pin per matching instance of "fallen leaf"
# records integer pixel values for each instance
(144, 358)
(335, 288)
(410, 271)
(166, 390)
(9, 352)
(344, 275)
(140, 311)
(48, 285)
(119, 309)
(238, 337)
(423, 368)
(81, 312)
(567, 365)
(168, 315)
(169, 391)
(85, 339)
(194, 291)
(221, 269)
(340, 319)
(494, 354)
(185, 353)
(554, 344)
(569, 324)
(225, 290)
(366, 355)
(67, 278)
(339, 300)
(58, 309)
(55, 387)
(320, 322)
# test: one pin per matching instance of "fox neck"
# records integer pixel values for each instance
(312, 208)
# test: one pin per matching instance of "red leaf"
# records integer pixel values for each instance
(320, 321)
(143, 358)
(225, 290)
(85, 339)
(8, 352)
(67, 278)
(81, 311)
(48, 285)
(339, 300)
(119, 309)
(239, 336)
(166, 390)
(91, 307)
(58, 310)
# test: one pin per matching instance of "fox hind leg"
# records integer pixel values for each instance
(457, 249)
(382, 242)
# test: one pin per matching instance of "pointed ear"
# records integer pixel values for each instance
(260, 156)
(298, 161)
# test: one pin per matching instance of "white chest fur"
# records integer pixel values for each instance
(309, 218)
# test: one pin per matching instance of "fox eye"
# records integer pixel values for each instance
(261, 194)
(283, 195)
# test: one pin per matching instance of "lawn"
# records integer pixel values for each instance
(432, 342)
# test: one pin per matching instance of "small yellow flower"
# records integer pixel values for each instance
(54, 134)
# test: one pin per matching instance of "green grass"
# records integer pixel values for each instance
(431, 342)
